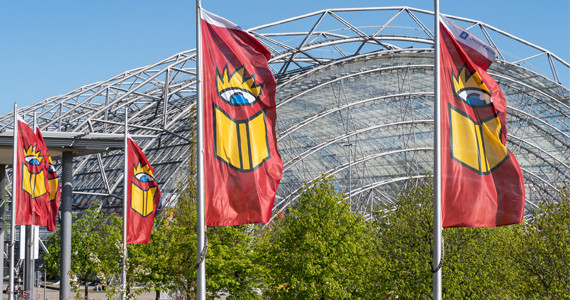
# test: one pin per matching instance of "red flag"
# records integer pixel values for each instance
(241, 163)
(54, 187)
(482, 184)
(143, 196)
(32, 188)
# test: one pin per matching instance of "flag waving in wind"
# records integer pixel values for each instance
(53, 184)
(242, 167)
(481, 183)
(143, 196)
(32, 186)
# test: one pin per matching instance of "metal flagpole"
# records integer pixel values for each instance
(437, 223)
(125, 184)
(29, 244)
(200, 220)
(13, 213)
(3, 201)
(66, 209)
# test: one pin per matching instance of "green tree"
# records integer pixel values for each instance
(543, 252)
(477, 263)
(94, 248)
(319, 250)
(182, 256)
(476, 260)
(403, 237)
(148, 263)
(231, 266)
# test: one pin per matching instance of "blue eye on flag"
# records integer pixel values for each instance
(237, 96)
(241, 162)
(143, 177)
(143, 195)
(478, 98)
(470, 88)
(481, 181)
(237, 88)
(32, 160)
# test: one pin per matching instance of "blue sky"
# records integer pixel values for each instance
(49, 48)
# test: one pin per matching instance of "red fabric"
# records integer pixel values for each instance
(237, 195)
(55, 189)
(143, 196)
(472, 198)
(32, 189)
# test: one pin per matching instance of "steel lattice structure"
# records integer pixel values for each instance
(355, 100)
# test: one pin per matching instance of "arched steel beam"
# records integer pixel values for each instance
(338, 138)
(323, 114)
(384, 69)
(343, 60)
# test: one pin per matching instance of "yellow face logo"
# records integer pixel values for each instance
(470, 88)
(143, 190)
(33, 178)
(240, 131)
(475, 141)
(237, 89)
(53, 180)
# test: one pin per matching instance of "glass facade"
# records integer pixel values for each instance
(355, 101)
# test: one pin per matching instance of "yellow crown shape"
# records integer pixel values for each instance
(468, 81)
(143, 169)
(31, 151)
(238, 80)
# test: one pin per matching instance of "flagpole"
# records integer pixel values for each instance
(437, 221)
(200, 220)
(29, 255)
(13, 212)
(125, 185)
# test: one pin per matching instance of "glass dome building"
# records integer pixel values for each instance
(354, 100)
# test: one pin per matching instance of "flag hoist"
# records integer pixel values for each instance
(35, 189)
(478, 181)
(141, 198)
(239, 167)
(482, 183)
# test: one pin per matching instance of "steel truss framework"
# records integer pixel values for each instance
(355, 100)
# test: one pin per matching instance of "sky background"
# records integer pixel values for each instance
(49, 48)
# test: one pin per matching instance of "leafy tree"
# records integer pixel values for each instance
(476, 260)
(230, 267)
(543, 252)
(319, 250)
(477, 264)
(93, 244)
(181, 258)
(231, 264)
(181, 231)
(148, 263)
(403, 238)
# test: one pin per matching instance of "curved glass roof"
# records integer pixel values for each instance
(355, 100)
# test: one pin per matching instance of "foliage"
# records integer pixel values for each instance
(181, 232)
(148, 263)
(182, 248)
(476, 262)
(404, 238)
(318, 251)
(321, 250)
(231, 266)
(477, 265)
(543, 252)
(93, 245)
